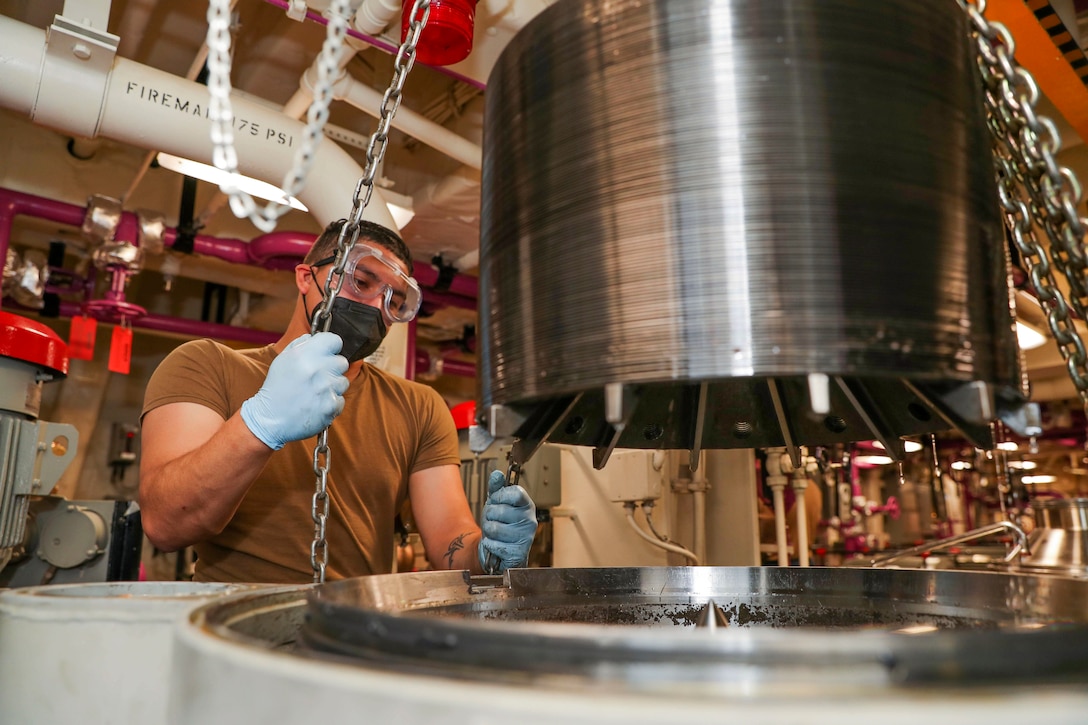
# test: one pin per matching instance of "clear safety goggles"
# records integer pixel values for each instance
(370, 272)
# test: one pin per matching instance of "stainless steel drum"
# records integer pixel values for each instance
(689, 625)
(690, 206)
(1059, 542)
(643, 646)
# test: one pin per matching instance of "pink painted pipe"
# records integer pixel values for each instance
(276, 250)
(15, 203)
(443, 366)
(191, 328)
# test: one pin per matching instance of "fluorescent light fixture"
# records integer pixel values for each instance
(1028, 337)
(908, 446)
(961, 466)
(400, 206)
(204, 172)
(867, 461)
(1023, 465)
(1008, 446)
(1039, 479)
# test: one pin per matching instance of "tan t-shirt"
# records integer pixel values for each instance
(390, 428)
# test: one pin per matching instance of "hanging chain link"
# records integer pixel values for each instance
(224, 154)
(345, 242)
(1034, 190)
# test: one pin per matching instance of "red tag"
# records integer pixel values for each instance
(121, 350)
(81, 338)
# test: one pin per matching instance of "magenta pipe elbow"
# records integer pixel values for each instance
(279, 249)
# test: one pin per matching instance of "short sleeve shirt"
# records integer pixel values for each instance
(390, 428)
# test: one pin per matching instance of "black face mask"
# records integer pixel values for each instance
(361, 327)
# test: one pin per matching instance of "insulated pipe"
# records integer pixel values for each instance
(152, 109)
(799, 484)
(780, 522)
(439, 137)
(275, 250)
(698, 498)
(14, 203)
(374, 16)
(267, 250)
(179, 326)
(424, 364)
(462, 285)
(281, 248)
(778, 464)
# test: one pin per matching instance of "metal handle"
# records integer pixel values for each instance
(1021, 545)
(513, 475)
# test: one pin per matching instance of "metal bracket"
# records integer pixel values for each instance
(502, 421)
(75, 72)
(44, 453)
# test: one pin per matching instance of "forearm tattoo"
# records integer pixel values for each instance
(455, 546)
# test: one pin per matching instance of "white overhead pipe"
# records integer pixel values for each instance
(148, 108)
(194, 70)
(374, 16)
(368, 100)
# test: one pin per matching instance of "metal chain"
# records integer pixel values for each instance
(345, 242)
(1034, 190)
(224, 154)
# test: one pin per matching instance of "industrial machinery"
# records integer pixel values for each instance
(750, 223)
(45, 538)
(764, 224)
(744, 225)
(35, 453)
(642, 645)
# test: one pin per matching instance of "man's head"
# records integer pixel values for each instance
(374, 273)
(325, 246)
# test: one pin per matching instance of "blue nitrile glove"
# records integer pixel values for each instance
(509, 524)
(302, 393)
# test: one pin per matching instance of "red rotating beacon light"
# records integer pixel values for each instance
(447, 37)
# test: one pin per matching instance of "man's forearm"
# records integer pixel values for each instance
(461, 553)
(195, 495)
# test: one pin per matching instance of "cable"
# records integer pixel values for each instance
(675, 548)
(647, 509)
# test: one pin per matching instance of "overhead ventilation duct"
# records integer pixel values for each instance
(747, 223)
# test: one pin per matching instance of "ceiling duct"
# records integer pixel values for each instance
(747, 223)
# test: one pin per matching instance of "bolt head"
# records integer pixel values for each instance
(81, 51)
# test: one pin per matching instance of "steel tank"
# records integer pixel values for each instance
(1059, 542)
(642, 645)
(92, 653)
(691, 207)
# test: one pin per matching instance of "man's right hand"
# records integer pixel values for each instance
(302, 393)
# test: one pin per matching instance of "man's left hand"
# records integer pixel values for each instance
(509, 524)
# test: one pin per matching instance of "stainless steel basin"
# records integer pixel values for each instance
(705, 627)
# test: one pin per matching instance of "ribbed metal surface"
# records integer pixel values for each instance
(685, 190)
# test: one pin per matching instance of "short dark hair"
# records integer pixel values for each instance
(325, 245)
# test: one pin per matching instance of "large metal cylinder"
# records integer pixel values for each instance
(739, 193)
(618, 645)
